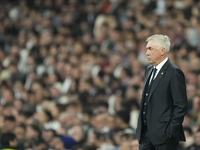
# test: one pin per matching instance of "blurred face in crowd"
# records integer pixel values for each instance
(57, 143)
(8, 111)
(197, 138)
(196, 103)
(42, 117)
(7, 96)
(134, 145)
(77, 133)
(21, 118)
(75, 73)
(154, 52)
(9, 126)
(1, 121)
(85, 118)
(128, 142)
(20, 133)
(130, 93)
(78, 48)
(91, 138)
(116, 136)
(111, 122)
(191, 91)
(100, 121)
(61, 131)
(18, 86)
(31, 133)
(68, 119)
(18, 105)
(118, 121)
(47, 135)
(52, 78)
(54, 111)
(54, 92)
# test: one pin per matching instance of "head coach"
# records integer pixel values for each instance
(164, 99)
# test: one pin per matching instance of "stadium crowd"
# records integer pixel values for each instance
(71, 71)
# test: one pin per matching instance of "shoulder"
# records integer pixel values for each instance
(175, 71)
(175, 68)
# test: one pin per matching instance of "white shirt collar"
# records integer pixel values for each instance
(159, 66)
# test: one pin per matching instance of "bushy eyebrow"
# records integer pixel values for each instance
(149, 47)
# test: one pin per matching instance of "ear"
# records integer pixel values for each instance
(163, 51)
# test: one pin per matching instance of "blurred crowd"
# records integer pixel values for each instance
(71, 71)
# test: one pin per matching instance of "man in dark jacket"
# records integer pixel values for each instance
(8, 141)
(164, 99)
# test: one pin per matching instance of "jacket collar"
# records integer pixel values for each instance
(158, 78)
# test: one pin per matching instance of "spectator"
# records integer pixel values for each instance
(101, 141)
(8, 141)
(78, 135)
(126, 138)
(189, 137)
(57, 143)
(196, 145)
(20, 131)
(9, 123)
(32, 135)
(48, 135)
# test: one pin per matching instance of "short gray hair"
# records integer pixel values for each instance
(163, 41)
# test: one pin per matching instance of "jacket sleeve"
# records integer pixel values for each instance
(179, 97)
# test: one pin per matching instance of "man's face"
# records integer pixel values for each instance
(153, 52)
(9, 126)
(20, 133)
(100, 122)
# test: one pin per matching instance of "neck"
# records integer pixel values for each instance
(163, 58)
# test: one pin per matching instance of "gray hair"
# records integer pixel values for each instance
(163, 41)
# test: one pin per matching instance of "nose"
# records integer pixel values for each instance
(147, 52)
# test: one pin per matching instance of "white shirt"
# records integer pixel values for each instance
(158, 67)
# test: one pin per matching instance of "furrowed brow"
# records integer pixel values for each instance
(148, 47)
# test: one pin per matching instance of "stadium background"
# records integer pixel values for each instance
(71, 71)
